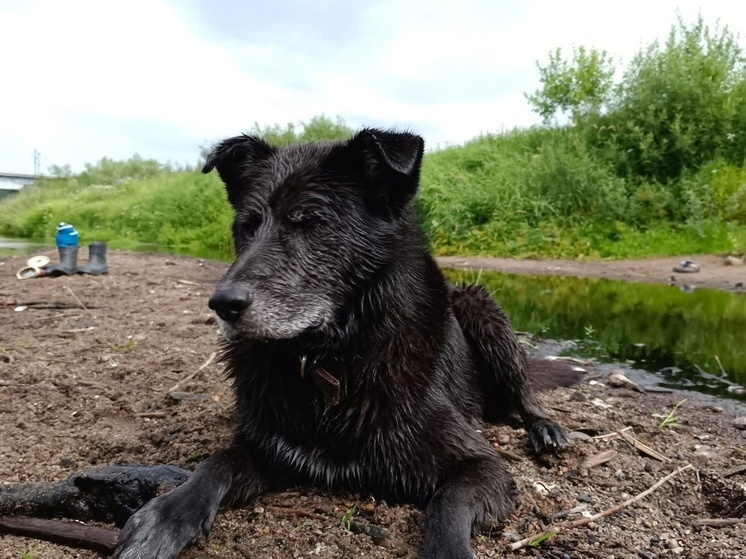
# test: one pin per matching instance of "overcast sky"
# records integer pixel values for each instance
(80, 79)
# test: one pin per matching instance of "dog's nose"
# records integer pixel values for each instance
(229, 302)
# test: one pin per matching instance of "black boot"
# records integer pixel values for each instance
(68, 263)
(96, 264)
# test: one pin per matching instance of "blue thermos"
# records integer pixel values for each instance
(67, 236)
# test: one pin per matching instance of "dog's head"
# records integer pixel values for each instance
(313, 224)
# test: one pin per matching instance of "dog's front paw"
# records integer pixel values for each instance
(545, 435)
(164, 526)
(447, 550)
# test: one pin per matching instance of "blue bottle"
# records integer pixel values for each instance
(67, 236)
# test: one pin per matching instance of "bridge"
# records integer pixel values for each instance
(13, 182)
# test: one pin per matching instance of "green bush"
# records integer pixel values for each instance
(680, 105)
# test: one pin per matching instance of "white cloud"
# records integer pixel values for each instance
(85, 79)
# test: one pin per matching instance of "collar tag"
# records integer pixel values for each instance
(328, 385)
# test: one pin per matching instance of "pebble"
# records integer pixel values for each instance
(705, 451)
(739, 422)
(503, 439)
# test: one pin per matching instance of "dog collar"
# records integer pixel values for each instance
(328, 385)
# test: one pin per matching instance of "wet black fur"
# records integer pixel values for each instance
(327, 231)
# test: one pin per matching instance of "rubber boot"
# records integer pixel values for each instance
(96, 264)
(68, 263)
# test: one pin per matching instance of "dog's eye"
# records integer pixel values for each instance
(301, 216)
(251, 223)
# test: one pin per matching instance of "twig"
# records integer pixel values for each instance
(288, 511)
(736, 470)
(152, 415)
(507, 454)
(565, 513)
(554, 530)
(718, 522)
(187, 282)
(614, 434)
(642, 447)
(79, 301)
(74, 534)
(189, 377)
(56, 316)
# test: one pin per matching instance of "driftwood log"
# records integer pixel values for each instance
(109, 494)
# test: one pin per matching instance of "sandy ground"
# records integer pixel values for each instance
(88, 368)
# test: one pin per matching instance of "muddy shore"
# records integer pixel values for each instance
(88, 373)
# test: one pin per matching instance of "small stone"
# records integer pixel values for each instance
(585, 498)
(733, 261)
(740, 423)
(503, 439)
(672, 544)
(578, 396)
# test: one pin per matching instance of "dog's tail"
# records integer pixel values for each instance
(508, 378)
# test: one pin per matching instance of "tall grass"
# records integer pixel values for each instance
(537, 192)
(184, 209)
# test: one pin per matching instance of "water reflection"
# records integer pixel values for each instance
(657, 328)
(20, 247)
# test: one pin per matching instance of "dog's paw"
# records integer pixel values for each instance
(545, 435)
(447, 551)
(164, 526)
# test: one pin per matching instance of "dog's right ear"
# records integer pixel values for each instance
(232, 157)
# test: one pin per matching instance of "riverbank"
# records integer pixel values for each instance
(122, 369)
(714, 272)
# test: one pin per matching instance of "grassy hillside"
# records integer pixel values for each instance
(526, 193)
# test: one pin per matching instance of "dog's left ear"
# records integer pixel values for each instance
(232, 157)
(390, 162)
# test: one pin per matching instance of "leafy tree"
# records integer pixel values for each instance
(320, 127)
(60, 171)
(680, 105)
(576, 88)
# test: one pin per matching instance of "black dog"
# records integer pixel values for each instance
(354, 363)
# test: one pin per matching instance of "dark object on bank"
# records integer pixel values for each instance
(107, 494)
(68, 263)
(96, 264)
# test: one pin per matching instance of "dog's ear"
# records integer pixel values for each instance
(390, 161)
(232, 157)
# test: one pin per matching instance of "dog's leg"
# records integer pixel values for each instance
(480, 488)
(502, 367)
(167, 524)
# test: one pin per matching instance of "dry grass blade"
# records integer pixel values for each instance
(642, 447)
(189, 377)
